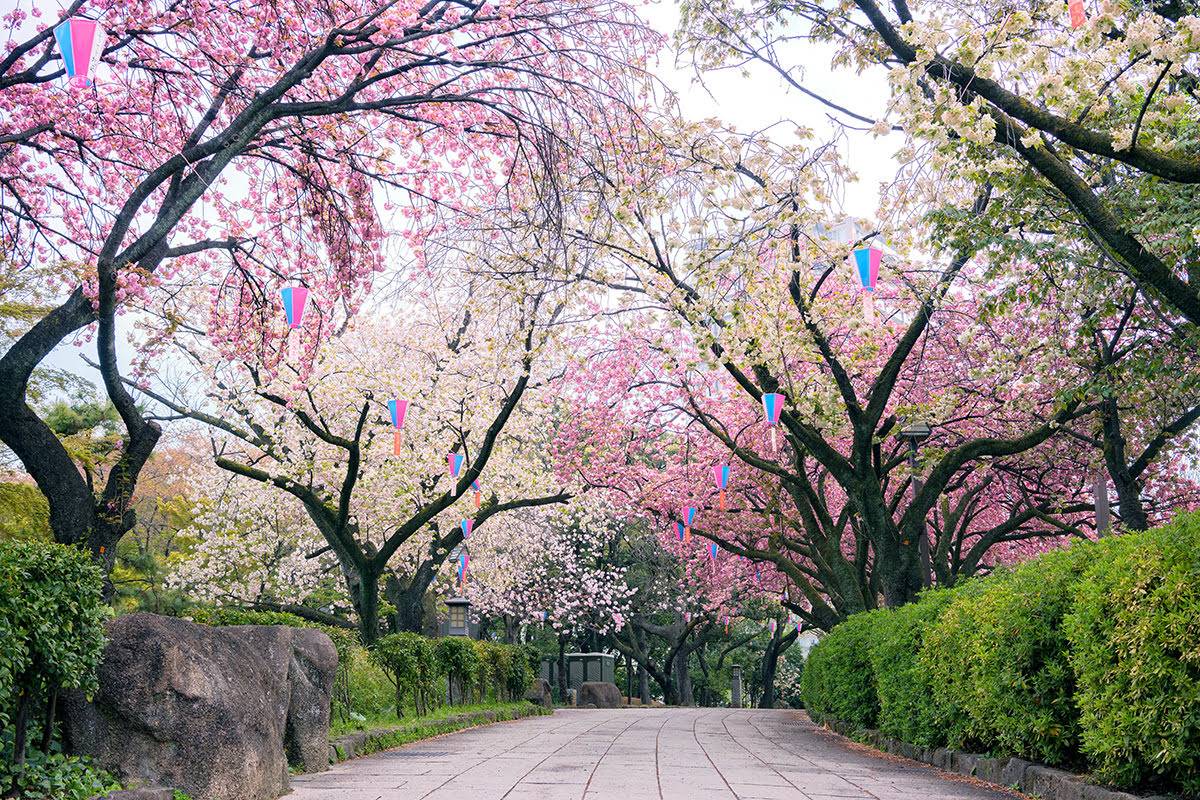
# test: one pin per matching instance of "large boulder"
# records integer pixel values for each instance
(540, 694)
(598, 694)
(212, 711)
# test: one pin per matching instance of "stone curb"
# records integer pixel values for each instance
(357, 744)
(1040, 781)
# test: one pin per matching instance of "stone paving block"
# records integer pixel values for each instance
(625, 754)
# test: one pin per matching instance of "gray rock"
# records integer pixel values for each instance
(540, 694)
(598, 694)
(145, 793)
(212, 711)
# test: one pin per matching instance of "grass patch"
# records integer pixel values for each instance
(386, 732)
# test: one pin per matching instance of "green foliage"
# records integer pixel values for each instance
(903, 684)
(1022, 684)
(945, 657)
(838, 682)
(51, 637)
(408, 660)
(56, 776)
(1086, 656)
(1134, 633)
(51, 616)
(459, 661)
(24, 513)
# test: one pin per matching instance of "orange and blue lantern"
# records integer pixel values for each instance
(81, 42)
(398, 409)
(721, 478)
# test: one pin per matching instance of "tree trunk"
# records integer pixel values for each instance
(366, 603)
(683, 679)
(643, 684)
(562, 668)
(1129, 490)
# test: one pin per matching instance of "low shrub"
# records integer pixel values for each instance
(902, 682)
(409, 662)
(458, 660)
(1088, 657)
(838, 682)
(51, 637)
(1134, 636)
(1021, 699)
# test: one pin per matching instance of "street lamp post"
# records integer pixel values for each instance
(914, 434)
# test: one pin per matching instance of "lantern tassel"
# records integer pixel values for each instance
(478, 500)
(293, 347)
(396, 441)
(687, 534)
(774, 440)
(1078, 15)
(869, 308)
(721, 500)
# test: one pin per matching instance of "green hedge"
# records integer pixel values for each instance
(1087, 657)
(838, 682)
(51, 637)
(403, 669)
(1134, 634)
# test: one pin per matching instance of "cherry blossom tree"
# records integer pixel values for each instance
(473, 359)
(1081, 131)
(235, 149)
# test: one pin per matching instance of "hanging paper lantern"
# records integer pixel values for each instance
(295, 298)
(721, 478)
(455, 462)
(771, 626)
(867, 259)
(1078, 15)
(773, 407)
(726, 624)
(689, 515)
(478, 494)
(467, 525)
(545, 616)
(462, 569)
(679, 530)
(398, 409)
(81, 42)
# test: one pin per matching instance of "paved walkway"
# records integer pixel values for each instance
(636, 754)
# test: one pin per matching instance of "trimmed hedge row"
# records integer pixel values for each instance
(1087, 657)
(404, 667)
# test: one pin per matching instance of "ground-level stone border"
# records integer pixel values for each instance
(1041, 781)
(362, 743)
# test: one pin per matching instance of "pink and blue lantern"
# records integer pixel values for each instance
(295, 298)
(689, 516)
(721, 478)
(462, 567)
(455, 462)
(398, 409)
(773, 408)
(81, 42)
(679, 531)
(867, 259)
(467, 525)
